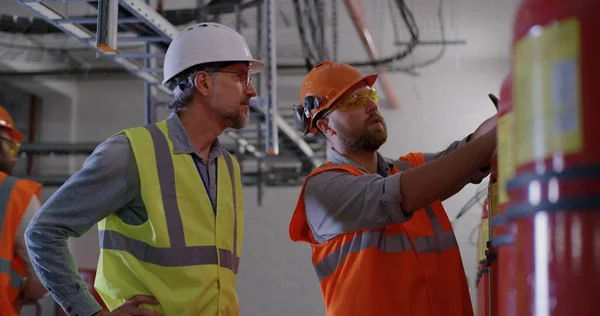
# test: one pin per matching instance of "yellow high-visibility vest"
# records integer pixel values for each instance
(182, 255)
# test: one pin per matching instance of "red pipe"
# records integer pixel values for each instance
(357, 14)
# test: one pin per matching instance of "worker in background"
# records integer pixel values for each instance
(381, 241)
(19, 201)
(167, 196)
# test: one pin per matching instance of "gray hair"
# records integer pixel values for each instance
(183, 90)
(184, 84)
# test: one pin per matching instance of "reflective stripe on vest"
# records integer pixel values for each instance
(409, 268)
(178, 255)
(6, 188)
(441, 240)
(370, 239)
(16, 280)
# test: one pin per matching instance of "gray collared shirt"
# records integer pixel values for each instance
(337, 202)
(107, 183)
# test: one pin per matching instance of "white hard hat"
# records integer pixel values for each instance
(207, 43)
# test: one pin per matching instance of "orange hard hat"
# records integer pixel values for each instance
(322, 86)
(7, 122)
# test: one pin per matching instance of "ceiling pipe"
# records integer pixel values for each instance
(357, 14)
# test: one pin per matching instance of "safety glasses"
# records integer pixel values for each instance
(355, 101)
(14, 147)
(244, 77)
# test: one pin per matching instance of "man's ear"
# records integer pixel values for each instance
(323, 126)
(203, 82)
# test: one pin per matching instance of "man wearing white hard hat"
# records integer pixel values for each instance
(169, 244)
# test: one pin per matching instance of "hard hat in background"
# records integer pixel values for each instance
(207, 43)
(322, 86)
(7, 122)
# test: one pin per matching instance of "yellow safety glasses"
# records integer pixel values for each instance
(356, 101)
(14, 147)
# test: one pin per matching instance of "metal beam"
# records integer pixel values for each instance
(84, 36)
(291, 133)
(358, 17)
(106, 32)
(270, 75)
(143, 11)
(161, 27)
(84, 20)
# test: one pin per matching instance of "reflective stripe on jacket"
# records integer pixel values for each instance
(413, 268)
(15, 196)
(182, 255)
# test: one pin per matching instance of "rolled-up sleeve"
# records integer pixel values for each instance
(338, 202)
(477, 177)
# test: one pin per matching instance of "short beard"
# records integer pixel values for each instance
(233, 119)
(360, 138)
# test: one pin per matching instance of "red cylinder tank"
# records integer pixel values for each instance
(482, 270)
(503, 290)
(555, 194)
(491, 251)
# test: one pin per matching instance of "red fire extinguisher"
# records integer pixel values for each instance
(555, 194)
(502, 237)
(482, 271)
(491, 255)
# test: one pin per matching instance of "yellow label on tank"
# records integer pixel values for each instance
(493, 198)
(506, 155)
(547, 92)
(483, 238)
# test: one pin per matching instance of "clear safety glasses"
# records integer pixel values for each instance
(245, 78)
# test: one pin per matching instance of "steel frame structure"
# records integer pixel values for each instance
(156, 33)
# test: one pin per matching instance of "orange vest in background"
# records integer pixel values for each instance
(15, 196)
(414, 268)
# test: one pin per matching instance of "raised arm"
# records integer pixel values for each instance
(101, 187)
(443, 177)
(480, 173)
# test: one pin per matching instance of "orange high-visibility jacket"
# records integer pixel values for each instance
(413, 268)
(15, 196)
